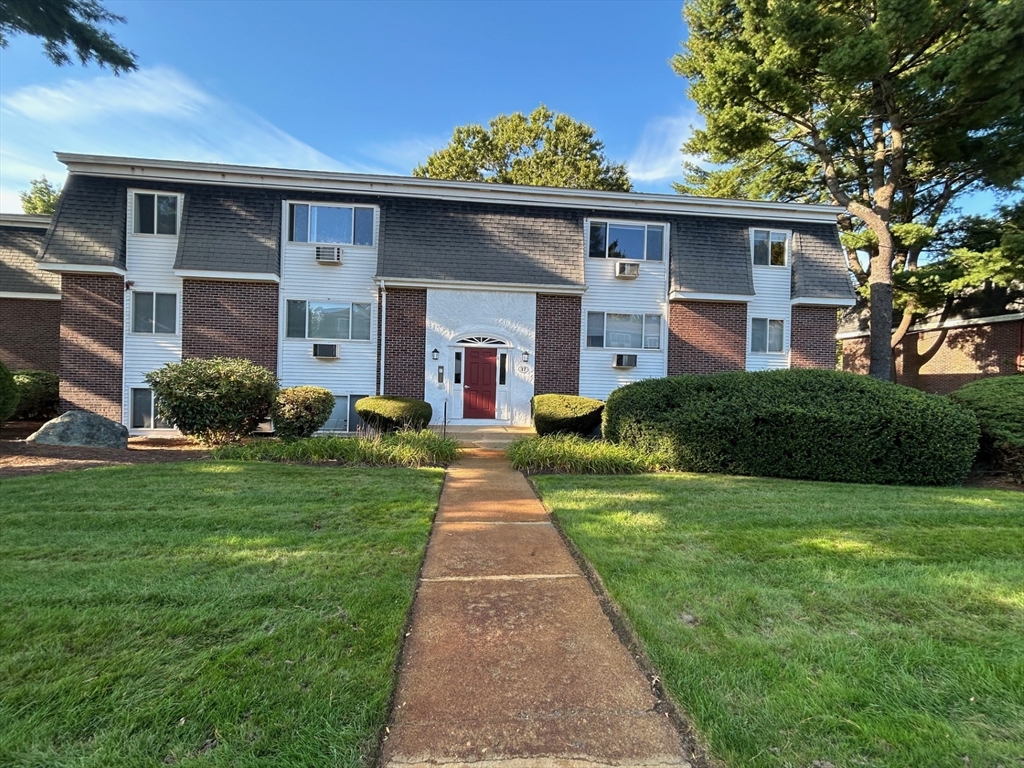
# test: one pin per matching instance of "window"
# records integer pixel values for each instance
(626, 241)
(330, 224)
(502, 368)
(154, 312)
(767, 335)
(156, 214)
(458, 368)
(623, 331)
(771, 248)
(344, 417)
(327, 320)
(144, 414)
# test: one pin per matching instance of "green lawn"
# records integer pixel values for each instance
(799, 622)
(204, 613)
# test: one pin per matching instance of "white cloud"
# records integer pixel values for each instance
(659, 155)
(156, 113)
(401, 156)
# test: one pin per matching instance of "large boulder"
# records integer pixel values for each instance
(82, 428)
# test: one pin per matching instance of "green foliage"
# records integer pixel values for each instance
(216, 400)
(566, 413)
(807, 424)
(301, 411)
(543, 149)
(998, 402)
(8, 394)
(67, 23)
(41, 199)
(575, 455)
(389, 413)
(425, 448)
(40, 395)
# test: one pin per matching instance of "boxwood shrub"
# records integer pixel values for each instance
(8, 394)
(814, 425)
(998, 403)
(389, 413)
(216, 400)
(40, 392)
(301, 411)
(566, 413)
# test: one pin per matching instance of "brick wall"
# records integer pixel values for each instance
(813, 338)
(405, 342)
(30, 334)
(557, 357)
(91, 343)
(706, 337)
(223, 318)
(856, 358)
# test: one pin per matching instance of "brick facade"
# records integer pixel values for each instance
(30, 334)
(706, 337)
(405, 342)
(91, 341)
(223, 318)
(557, 355)
(966, 354)
(813, 337)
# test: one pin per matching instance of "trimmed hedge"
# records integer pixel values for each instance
(998, 402)
(566, 413)
(301, 411)
(40, 395)
(805, 424)
(8, 394)
(216, 400)
(389, 413)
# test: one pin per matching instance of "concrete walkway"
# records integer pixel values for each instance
(510, 660)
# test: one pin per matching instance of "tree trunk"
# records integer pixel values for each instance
(880, 281)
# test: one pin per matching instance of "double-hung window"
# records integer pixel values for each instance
(335, 224)
(621, 240)
(143, 411)
(327, 320)
(621, 331)
(767, 335)
(155, 214)
(154, 312)
(770, 247)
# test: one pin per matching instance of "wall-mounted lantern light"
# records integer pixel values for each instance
(526, 356)
(435, 354)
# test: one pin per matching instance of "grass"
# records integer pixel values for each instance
(797, 622)
(574, 455)
(399, 449)
(204, 613)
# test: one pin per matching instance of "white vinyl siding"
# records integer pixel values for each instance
(771, 301)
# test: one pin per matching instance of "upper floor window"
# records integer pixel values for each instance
(617, 240)
(327, 320)
(155, 214)
(767, 335)
(154, 312)
(330, 224)
(771, 247)
(623, 331)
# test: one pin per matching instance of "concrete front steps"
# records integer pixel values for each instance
(491, 437)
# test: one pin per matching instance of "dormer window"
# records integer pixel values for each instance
(335, 224)
(155, 214)
(770, 247)
(626, 240)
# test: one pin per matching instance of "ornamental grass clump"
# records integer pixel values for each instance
(568, 414)
(301, 411)
(424, 448)
(390, 413)
(998, 402)
(39, 392)
(218, 400)
(8, 394)
(575, 455)
(804, 424)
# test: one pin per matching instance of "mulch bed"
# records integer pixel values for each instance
(20, 458)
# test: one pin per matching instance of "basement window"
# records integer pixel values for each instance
(143, 411)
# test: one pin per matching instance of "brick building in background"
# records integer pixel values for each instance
(29, 297)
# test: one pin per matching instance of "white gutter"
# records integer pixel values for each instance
(811, 302)
(726, 297)
(28, 295)
(24, 220)
(972, 322)
(462, 191)
(81, 269)
(212, 274)
(466, 285)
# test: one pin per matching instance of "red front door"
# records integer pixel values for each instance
(480, 384)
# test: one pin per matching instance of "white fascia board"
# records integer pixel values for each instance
(809, 302)
(725, 297)
(27, 295)
(460, 191)
(459, 285)
(949, 326)
(81, 269)
(211, 274)
(24, 220)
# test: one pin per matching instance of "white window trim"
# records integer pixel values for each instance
(177, 217)
(152, 406)
(320, 203)
(153, 334)
(629, 222)
(750, 337)
(661, 332)
(789, 247)
(320, 340)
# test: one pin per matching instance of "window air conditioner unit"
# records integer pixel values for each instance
(327, 351)
(624, 361)
(328, 254)
(627, 270)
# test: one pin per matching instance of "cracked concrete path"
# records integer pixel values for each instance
(510, 661)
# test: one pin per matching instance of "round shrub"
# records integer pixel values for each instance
(566, 413)
(8, 394)
(998, 403)
(39, 395)
(807, 424)
(301, 411)
(389, 413)
(217, 400)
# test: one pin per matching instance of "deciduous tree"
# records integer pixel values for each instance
(41, 198)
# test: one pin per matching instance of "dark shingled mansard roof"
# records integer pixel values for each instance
(20, 240)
